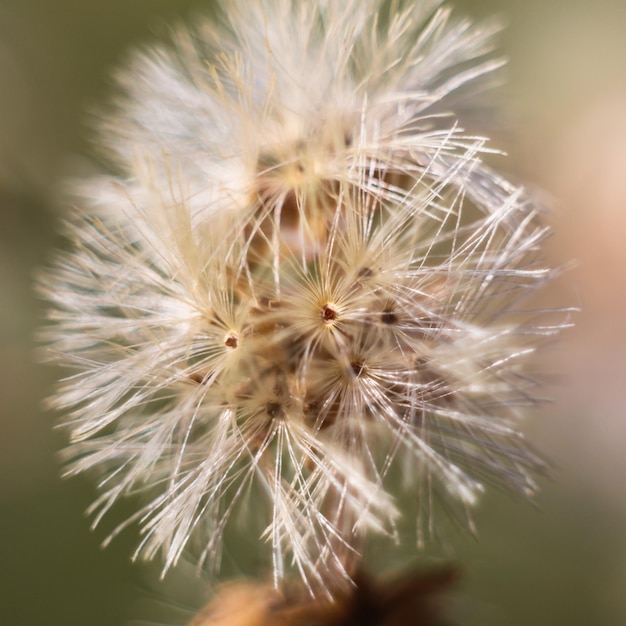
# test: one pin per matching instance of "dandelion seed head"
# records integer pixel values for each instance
(301, 276)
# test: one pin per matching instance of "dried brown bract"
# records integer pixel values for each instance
(412, 599)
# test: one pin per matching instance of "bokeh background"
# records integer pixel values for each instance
(563, 123)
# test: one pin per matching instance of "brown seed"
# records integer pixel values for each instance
(232, 341)
(388, 317)
(329, 314)
(274, 410)
(357, 368)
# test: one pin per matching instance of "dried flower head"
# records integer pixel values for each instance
(413, 599)
(300, 279)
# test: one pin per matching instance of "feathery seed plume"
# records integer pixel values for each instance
(300, 278)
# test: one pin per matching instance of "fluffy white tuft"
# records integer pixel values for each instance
(301, 276)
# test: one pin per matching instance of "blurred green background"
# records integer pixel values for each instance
(564, 112)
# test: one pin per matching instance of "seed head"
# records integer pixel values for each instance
(300, 277)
